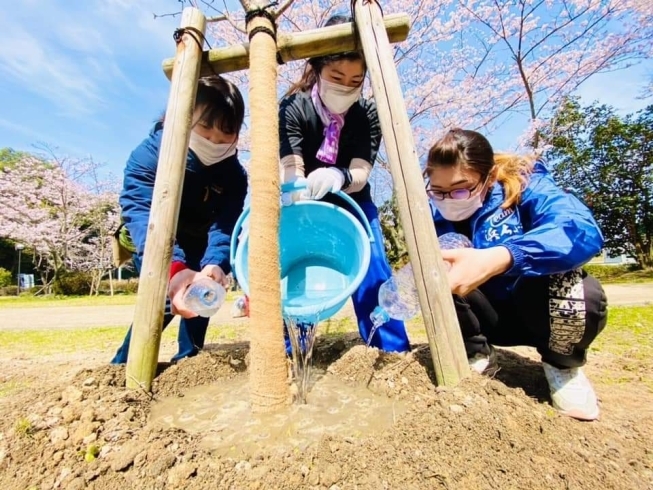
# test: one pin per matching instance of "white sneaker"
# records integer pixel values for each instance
(571, 392)
(483, 363)
(479, 363)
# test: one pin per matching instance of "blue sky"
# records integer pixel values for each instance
(86, 77)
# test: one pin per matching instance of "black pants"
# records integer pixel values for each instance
(560, 315)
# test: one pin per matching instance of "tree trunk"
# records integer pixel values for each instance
(269, 388)
(111, 281)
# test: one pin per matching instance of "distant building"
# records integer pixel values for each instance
(604, 258)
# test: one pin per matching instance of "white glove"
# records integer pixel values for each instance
(287, 198)
(324, 180)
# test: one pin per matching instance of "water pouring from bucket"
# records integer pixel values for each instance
(302, 340)
(324, 253)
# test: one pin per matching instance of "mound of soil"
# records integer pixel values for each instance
(90, 432)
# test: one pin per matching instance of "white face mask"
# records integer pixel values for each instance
(459, 209)
(208, 152)
(338, 98)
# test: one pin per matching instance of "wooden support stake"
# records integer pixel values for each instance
(164, 213)
(296, 46)
(445, 339)
(268, 373)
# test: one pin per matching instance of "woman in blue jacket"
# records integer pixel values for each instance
(213, 196)
(522, 283)
(330, 135)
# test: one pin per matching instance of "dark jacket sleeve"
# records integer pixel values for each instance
(138, 187)
(290, 127)
(560, 233)
(219, 240)
(369, 141)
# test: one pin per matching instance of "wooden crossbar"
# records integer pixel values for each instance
(295, 46)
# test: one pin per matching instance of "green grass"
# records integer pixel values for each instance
(9, 387)
(24, 428)
(64, 341)
(619, 274)
(54, 301)
(61, 341)
(627, 338)
(627, 335)
(635, 277)
(629, 329)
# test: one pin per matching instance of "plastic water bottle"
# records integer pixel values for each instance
(454, 240)
(205, 297)
(398, 295)
(397, 299)
(240, 308)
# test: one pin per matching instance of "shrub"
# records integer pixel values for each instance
(9, 290)
(73, 284)
(126, 286)
(607, 272)
(5, 277)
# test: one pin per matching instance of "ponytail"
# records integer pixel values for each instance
(512, 172)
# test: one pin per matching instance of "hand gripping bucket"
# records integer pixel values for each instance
(324, 256)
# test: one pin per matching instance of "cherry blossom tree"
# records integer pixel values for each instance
(94, 254)
(59, 208)
(475, 63)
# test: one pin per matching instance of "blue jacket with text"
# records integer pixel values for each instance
(548, 232)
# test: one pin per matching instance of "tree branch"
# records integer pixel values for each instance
(282, 9)
(217, 18)
(174, 14)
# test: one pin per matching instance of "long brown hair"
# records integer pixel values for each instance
(314, 66)
(472, 151)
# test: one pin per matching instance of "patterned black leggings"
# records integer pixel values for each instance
(560, 315)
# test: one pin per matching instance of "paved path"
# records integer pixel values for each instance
(38, 318)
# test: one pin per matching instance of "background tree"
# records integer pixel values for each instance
(476, 63)
(393, 233)
(59, 210)
(94, 255)
(9, 157)
(608, 160)
(8, 256)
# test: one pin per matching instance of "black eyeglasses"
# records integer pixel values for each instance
(457, 194)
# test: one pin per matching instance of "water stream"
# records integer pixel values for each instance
(302, 342)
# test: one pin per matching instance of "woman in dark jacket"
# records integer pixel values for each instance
(330, 135)
(213, 196)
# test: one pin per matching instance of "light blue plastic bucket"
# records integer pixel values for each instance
(324, 256)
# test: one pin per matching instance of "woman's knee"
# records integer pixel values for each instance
(596, 304)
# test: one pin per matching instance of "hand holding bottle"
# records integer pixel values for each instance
(177, 288)
(195, 294)
(471, 267)
(204, 297)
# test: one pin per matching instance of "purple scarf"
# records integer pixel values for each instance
(333, 124)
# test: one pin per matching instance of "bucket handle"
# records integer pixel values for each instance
(301, 184)
(234, 239)
(289, 187)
